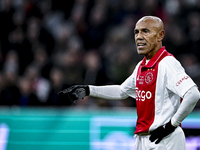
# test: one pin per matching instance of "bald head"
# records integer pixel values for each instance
(152, 21)
(149, 33)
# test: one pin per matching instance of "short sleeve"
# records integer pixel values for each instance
(177, 80)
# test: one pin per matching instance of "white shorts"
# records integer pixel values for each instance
(174, 141)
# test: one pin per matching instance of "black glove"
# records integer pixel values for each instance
(161, 132)
(74, 93)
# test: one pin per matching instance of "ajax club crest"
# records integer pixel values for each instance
(149, 77)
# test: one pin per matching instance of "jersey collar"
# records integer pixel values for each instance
(154, 59)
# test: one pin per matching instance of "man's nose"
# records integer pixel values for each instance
(138, 36)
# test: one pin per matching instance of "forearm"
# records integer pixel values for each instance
(112, 92)
(189, 101)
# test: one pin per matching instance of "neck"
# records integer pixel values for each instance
(153, 52)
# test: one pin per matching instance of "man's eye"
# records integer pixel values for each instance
(136, 32)
(145, 30)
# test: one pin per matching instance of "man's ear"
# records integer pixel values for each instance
(161, 35)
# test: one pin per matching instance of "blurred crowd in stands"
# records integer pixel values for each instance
(48, 45)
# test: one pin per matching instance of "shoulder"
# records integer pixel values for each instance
(172, 64)
(170, 60)
(138, 64)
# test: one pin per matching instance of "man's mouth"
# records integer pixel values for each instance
(141, 45)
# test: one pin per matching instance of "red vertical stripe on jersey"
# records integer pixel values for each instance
(145, 91)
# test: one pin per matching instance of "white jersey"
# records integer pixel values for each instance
(158, 87)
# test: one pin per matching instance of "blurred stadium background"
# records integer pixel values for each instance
(48, 45)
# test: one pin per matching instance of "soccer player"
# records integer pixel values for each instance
(165, 95)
